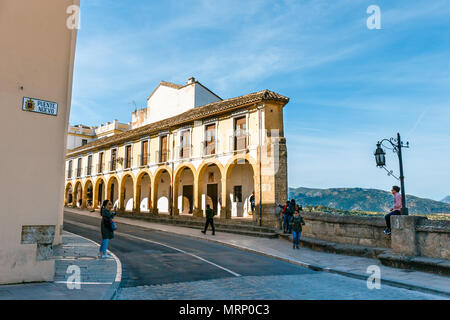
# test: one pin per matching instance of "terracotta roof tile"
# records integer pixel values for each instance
(191, 115)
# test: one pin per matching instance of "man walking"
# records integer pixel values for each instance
(396, 210)
(252, 202)
(209, 220)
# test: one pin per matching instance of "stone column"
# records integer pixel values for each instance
(197, 199)
(137, 198)
(273, 180)
(225, 212)
(403, 236)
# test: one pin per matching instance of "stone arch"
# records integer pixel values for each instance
(112, 189)
(143, 189)
(212, 197)
(99, 192)
(88, 193)
(68, 193)
(127, 197)
(185, 183)
(240, 158)
(161, 189)
(241, 181)
(78, 194)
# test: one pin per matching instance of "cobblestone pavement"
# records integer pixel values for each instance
(318, 286)
(97, 276)
(80, 252)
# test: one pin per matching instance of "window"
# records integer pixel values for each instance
(89, 166)
(79, 168)
(163, 149)
(237, 194)
(185, 144)
(210, 139)
(69, 170)
(100, 162)
(240, 133)
(128, 157)
(113, 159)
(144, 153)
(84, 142)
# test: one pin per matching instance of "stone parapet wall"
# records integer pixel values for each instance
(362, 231)
(433, 238)
(411, 235)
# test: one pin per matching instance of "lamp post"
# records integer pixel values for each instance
(380, 158)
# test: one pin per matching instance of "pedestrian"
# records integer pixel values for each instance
(396, 210)
(285, 218)
(252, 202)
(297, 222)
(209, 220)
(292, 207)
(106, 228)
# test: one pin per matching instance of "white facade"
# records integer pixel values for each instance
(169, 100)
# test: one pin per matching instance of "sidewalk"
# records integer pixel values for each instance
(281, 249)
(99, 278)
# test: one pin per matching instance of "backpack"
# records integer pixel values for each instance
(290, 209)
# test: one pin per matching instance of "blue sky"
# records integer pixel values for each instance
(349, 86)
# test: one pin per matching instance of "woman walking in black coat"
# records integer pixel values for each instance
(106, 227)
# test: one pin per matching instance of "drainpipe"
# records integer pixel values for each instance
(259, 149)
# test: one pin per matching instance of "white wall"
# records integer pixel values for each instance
(167, 102)
(163, 193)
(145, 194)
(241, 175)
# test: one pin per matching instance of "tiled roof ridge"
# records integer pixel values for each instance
(188, 116)
(171, 84)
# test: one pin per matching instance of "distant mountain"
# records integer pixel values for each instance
(363, 200)
(446, 199)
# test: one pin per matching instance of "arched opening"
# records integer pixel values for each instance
(99, 192)
(78, 195)
(240, 186)
(162, 191)
(128, 193)
(143, 189)
(184, 190)
(210, 187)
(69, 195)
(112, 192)
(88, 194)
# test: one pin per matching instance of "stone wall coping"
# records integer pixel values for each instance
(322, 216)
(432, 229)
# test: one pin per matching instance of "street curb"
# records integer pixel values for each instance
(112, 291)
(359, 276)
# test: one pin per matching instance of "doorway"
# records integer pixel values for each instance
(212, 196)
(188, 199)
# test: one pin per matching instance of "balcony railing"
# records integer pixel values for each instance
(113, 165)
(144, 159)
(239, 141)
(184, 152)
(161, 157)
(100, 168)
(88, 170)
(209, 148)
(78, 172)
(128, 163)
(69, 174)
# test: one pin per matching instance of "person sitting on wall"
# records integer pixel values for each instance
(396, 210)
(209, 220)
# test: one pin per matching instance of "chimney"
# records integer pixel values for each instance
(191, 80)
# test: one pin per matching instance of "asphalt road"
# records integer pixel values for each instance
(149, 263)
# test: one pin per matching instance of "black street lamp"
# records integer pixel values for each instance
(380, 159)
